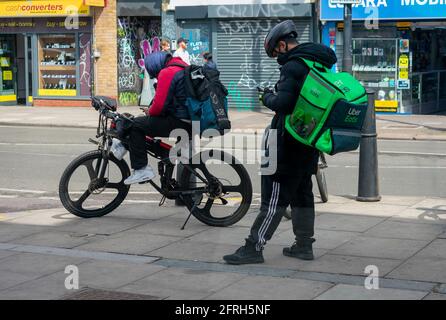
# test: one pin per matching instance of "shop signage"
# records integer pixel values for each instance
(403, 84)
(7, 75)
(41, 25)
(403, 74)
(386, 10)
(403, 61)
(37, 8)
(346, 1)
(95, 3)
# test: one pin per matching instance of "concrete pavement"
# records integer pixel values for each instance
(140, 249)
(401, 127)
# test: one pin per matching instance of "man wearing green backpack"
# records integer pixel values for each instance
(296, 163)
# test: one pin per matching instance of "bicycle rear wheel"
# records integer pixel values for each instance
(322, 185)
(228, 185)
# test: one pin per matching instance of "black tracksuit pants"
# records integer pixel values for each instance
(153, 127)
(278, 192)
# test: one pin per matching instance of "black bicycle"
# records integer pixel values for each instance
(214, 186)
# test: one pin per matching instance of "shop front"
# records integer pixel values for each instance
(235, 33)
(398, 49)
(45, 52)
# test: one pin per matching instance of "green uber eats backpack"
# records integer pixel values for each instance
(330, 111)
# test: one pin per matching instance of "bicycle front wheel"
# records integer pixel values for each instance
(228, 185)
(84, 193)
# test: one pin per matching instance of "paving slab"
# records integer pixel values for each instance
(436, 249)
(422, 269)
(271, 288)
(183, 283)
(146, 211)
(171, 226)
(58, 239)
(349, 292)
(44, 288)
(112, 274)
(400, 200)
(6, 253)
(32, 264)
(129, 242)
(405, 230)
(325, 239)
(10, 279)
(45, 217)
(381, 247)
(435, 296)
(348, 265)
(346, 222)
(368, 208)
(233, 236)
(101, 226)
(11, 232)
(421, 215)
(196, 251)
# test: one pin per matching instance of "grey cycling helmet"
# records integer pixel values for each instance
(284, 30)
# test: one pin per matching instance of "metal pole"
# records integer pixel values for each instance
(368, 185)
(347, 60)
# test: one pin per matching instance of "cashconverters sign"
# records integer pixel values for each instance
(37, 8)
(386, 10)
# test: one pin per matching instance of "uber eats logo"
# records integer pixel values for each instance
(352, 115)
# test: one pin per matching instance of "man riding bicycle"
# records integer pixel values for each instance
(168, 111)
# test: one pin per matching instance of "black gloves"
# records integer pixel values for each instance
(263, 92)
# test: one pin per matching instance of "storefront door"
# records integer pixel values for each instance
(16, 69)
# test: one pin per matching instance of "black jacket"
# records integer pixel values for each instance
(293, 157)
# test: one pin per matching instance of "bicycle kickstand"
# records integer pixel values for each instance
(196, 203)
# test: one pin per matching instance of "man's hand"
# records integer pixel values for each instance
(145, 110)
(263, 92)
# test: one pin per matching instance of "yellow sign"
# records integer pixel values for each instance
(57, 92)
(95, 3)
(39, 8)
(5, 62)
(404, 61)
(8, 98)
(7, 75)
(403, 74)
(386, 103)
(404, 24)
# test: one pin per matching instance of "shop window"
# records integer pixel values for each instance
(57, 65)
(7, 81)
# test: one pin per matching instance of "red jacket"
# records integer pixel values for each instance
(170, 95)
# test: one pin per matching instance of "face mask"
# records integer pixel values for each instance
(282, 58)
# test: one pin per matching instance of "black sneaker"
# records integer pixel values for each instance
(245, 255)
(301, 250)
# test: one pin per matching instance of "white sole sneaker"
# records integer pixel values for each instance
(141, 175)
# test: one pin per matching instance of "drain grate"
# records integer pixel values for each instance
(97, 294)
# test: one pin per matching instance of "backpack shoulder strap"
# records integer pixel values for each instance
(314, 65)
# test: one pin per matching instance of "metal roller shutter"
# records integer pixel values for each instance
(242, 60)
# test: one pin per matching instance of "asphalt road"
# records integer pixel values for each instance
(32, 160)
